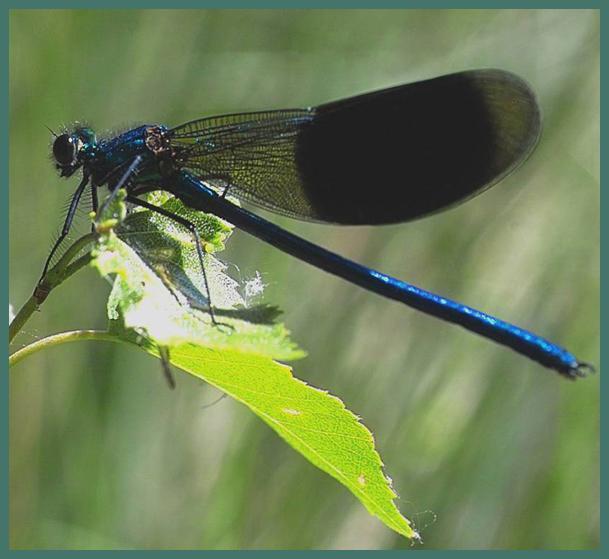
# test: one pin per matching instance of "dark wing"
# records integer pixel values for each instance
(383, 157)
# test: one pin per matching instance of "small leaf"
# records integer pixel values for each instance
(312, 421)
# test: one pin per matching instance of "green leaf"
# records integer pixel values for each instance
(312, 421)
(159, 299)
(159, 293)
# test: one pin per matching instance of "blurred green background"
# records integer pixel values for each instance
(486, 449)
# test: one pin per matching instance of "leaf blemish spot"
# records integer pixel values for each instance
(290, 411)
(361, 479)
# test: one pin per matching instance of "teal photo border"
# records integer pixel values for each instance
(132, 4)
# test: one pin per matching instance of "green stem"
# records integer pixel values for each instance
(54, 277)
(58, 273)
(73, 267)
(22, 317)
(62, 338)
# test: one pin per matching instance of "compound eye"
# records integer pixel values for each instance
(64, 150)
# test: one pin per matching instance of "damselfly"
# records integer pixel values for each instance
(383, 157)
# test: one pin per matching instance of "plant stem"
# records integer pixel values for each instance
(62, 270)
(54, 277)
(62, 338)
(21, 317)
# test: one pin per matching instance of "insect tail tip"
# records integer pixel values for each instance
(584, 369)
(580, 369)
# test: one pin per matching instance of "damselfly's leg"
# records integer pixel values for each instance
(166, 366)
(225, 179)
(126, 176)
(195, 235)
(67, 224)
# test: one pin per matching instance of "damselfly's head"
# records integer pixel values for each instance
(69, 150)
